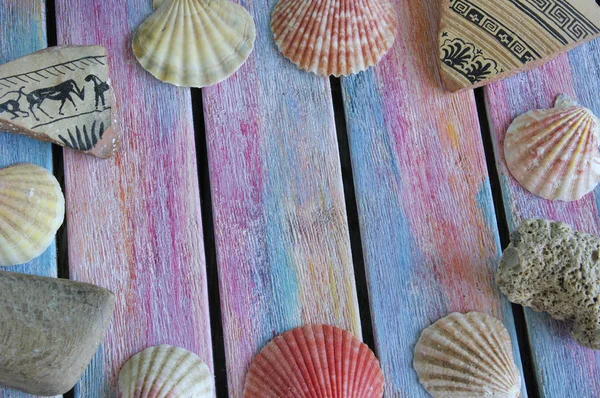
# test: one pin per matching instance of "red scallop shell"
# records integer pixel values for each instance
(315, 361)
(334, 37)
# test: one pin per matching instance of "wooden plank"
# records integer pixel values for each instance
(23, 31)
(134, 221)
(427, 219)
(281, 230)
(558, 360)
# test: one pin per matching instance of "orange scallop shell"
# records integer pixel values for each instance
(315, 361)
(334, 37)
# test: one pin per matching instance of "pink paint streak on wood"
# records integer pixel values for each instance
(280, 220)
(437, 149)
(134, 221)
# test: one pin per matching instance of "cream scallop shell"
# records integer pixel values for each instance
(467, 356)
(194, 43)
(315, 361)
(553, 153)
(32, 208)
(334, 37)
(165, 371)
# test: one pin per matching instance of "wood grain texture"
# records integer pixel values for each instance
(281, 231)
(23, 31)
(559, 361)
(428, 226)
(134, 221)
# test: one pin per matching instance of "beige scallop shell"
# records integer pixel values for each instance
(157, 3)
(553, 153)
(165, 371)
(467, 356)
(334, 37)
(194, 43)
(32, 208)
(315, 361)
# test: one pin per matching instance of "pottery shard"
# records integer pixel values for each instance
(61, 95)
(49, 331)
(485, 40)
(552, 268)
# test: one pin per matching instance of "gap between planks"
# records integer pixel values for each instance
(358, 261)
(62, 242)
(212, 271)
(531, 382)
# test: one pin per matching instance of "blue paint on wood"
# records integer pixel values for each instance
(388, 247)
(91, 386)
(22, 31)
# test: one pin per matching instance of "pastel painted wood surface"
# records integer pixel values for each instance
(22, 31)
(134, 222)
(559, 361)
(428, 226)
(281, 230)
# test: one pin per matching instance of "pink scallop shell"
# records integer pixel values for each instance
(553, 153)
(334, 37)
(315, 361)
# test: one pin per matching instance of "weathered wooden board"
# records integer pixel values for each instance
(134, 221)
(22, 31)
(281, 230)
(563, 368)
(427, 219)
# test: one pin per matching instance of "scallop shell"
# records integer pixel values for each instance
(311, 361)
(32, 208)
(157, 3)
(553, 153)
(194, 43)
(467, 356)
(334, 37)
(165, 371)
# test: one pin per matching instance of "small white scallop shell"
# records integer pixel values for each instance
(165, 371)
(334, 37)
(194, 43)
(553, 153)
(32, 208)
(467, 356)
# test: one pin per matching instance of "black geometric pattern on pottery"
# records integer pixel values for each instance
(82, 140)
(52, 71)
(503, 35)
(559, 18)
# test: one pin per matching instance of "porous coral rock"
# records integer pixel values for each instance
(550, 267)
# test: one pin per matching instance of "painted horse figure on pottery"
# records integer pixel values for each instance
(61, 92)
